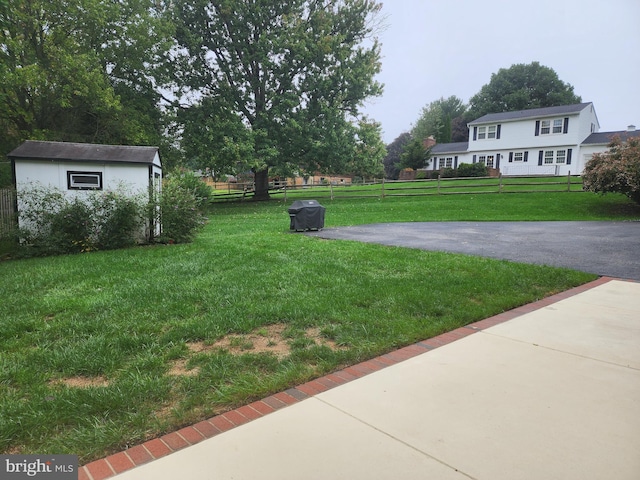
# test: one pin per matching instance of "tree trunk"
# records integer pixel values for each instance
(261, 179)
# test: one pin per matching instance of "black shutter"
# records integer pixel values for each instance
(566, 125)
(537, 127)
(498, 132)
(540, 157)
(474, 158)
(526, 156)
(455, 161)
(510, 157)
(475, 132)
(497, 160)
(569, 157)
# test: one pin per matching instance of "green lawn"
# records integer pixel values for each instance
(103, 350)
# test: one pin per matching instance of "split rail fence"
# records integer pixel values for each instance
(406, 188)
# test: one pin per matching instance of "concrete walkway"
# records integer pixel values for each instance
(547, 391)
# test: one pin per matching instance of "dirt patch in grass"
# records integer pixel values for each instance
(82, 382)
(267, 339)
(179, 368)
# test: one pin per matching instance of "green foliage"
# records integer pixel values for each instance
(118, 219)
(472, 170)
(437, 119)
(71, 228)
(393, 158)
(369, 151)
(448, 173)
(5, 175)
(81, 71)
(521, 87)
(616, 171)
(181, 207)
(414, 155)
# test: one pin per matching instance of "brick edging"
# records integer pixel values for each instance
(172, 442)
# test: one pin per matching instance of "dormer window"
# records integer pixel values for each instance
(489, 132)
(552, 126)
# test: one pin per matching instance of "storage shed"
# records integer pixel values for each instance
(77, 167)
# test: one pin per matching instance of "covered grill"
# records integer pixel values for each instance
(306, 215)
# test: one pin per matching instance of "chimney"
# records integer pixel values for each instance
(631, 128)
(429, 142)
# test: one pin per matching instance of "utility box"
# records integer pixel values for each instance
(306, 215)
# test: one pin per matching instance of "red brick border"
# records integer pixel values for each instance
(172, 442)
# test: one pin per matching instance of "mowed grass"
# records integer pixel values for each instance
(104, 350)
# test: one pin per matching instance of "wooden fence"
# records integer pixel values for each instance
(405, 188)
(7, 210)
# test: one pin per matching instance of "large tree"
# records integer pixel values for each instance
(521, 87)
(287, 78)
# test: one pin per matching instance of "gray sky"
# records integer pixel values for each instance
(439, 48)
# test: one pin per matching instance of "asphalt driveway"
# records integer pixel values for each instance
(604, 248)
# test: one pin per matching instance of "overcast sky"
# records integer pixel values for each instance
(439, 48)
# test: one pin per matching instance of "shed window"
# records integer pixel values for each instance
(84, 180)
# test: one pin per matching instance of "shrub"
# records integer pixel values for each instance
(118, 220)
(447, 173)
(616, 171)
(192, 183)
(421, 174)
(52, 223)
(472, 170)
(71, 229)
(180, 211)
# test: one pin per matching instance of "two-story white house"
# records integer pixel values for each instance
(540, 141)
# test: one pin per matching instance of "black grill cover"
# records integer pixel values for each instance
(306, 215)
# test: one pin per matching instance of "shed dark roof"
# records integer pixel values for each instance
(606, 137)
(531, 113)
(38, 150)
(457, 147)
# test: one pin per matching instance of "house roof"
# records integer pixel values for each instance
(605, 138)
(458, 147)
(38, 150)
(531, 113)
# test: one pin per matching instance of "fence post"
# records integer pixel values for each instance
(331, 189)
(569, 181)
(285, 193)
(500, 183)
(383, 188)
(438, 184)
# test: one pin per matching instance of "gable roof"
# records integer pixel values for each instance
(531, 113)
(458, 147)
(38, 150)
(604, 138)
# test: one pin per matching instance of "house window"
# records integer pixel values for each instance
(491, 132)
(518, 157)
(482, 133)
(490, 161)
(482, 159)
(557, 125)
(545, 127)
(84, 180)
(548, 156)
(449, 162)
(561, 156)
(441, 163)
